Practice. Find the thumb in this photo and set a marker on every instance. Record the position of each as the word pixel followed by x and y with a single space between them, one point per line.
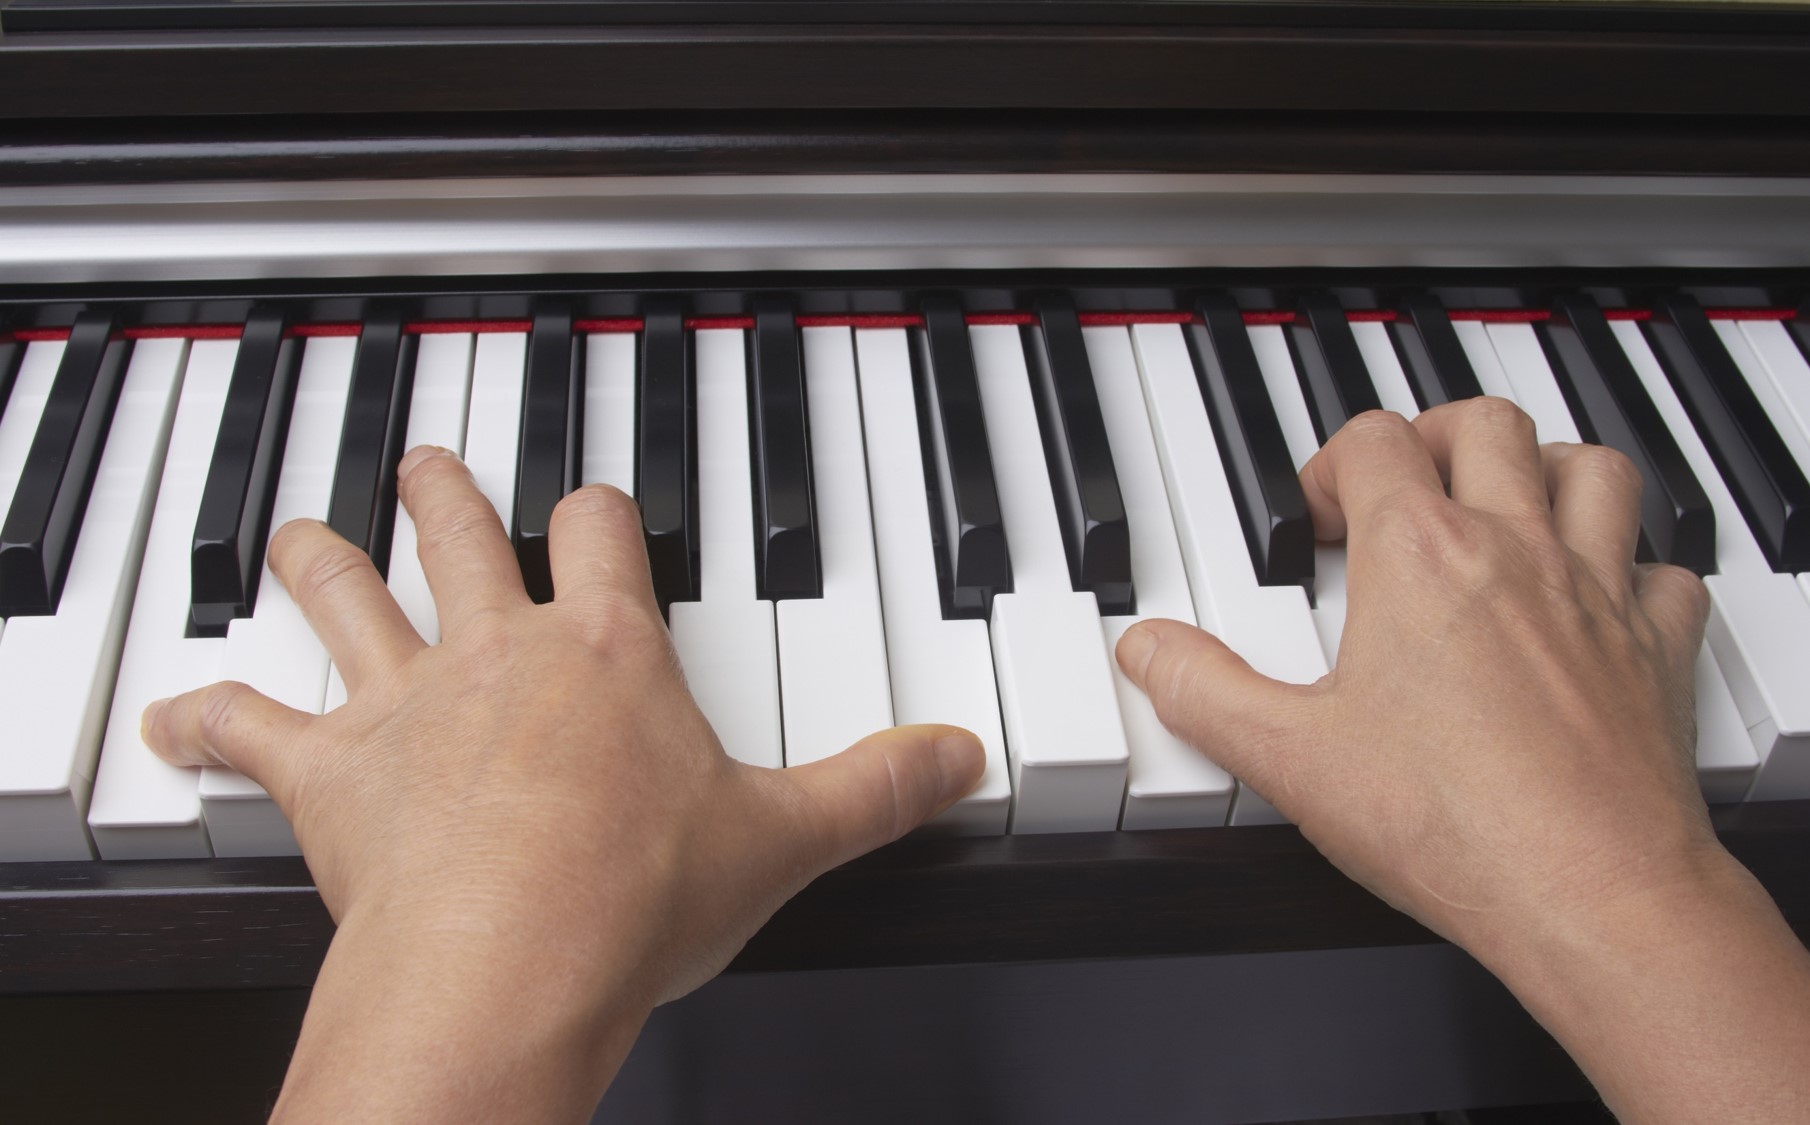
pixel 884 786
pixel 1209 696
pixel 227 724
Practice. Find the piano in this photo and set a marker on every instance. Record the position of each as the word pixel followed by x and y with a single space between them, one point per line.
pixel 939 342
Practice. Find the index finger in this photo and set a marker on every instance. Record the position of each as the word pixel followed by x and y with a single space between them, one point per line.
pixel 465 553
pixel 1376 461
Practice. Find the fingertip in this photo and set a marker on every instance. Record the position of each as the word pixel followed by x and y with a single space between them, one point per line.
pixel 1135 650
pixel 960 760
pixel 414 457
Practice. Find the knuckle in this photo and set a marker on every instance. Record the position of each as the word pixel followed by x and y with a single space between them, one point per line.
pixel 1496 414
pixel 1378 426
pixel 319 572
pixel 218 708
pixel 1611 466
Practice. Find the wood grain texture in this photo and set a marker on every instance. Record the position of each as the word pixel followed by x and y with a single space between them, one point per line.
pixel 231 924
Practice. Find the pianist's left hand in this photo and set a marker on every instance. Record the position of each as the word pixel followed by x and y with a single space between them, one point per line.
pixel 528 833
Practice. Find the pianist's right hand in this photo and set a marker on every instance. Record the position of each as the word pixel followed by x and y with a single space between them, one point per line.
pixel 528 834
pixel 1506 750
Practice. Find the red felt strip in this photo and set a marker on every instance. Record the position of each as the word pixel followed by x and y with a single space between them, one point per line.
pixel 1268 316
pixel 608 324
pixel 862 320
pixel 40 335
pixel 1627 314
pixel 706 323
pixel 980 320
pixel 1502 316
pixel 1751 314
pixel 1120 319
pixel 445 327
pixel 310 331
pixel 1370 316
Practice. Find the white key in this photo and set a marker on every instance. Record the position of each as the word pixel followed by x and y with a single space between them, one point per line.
pixel 1775 369
pixel 56 673
pixel 941 670
pixel 1759 626
pixel 1473 336
pixel 725 639
pixel 436 417
pixel 274 650
pixel 1725 755
pixel 1386 373
pixel 832 650
pixel 19 423
pixel 1170 785
pixel 1056 691
pixel 494 428
pixel 144 808
pixel 1284 386
pixel 1535 388
pixel 609 410
pixel 1270 626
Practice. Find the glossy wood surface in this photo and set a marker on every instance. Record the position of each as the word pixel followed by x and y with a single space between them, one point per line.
pixel 208 924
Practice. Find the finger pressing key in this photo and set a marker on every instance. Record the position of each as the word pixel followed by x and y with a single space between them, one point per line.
pixel 597 550
pixel 1595 507
pixel 1485 447
pixel 229 724
pixel 465 553
pixel 344 599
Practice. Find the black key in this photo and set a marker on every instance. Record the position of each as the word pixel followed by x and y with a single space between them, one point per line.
pixel 46 515
pixel 552 417
pixel 1088 503
pixel 1677 524
pixel 234 522
pixel 666 453
pixel 786 558
pixel 1329 365
pixel 972 562
pixel 12 354
pixel 1277 528
pixel 363 506
pixel 1754 462
pixel 1434 360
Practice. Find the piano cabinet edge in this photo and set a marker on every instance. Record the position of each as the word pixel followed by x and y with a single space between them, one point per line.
pixel 153 926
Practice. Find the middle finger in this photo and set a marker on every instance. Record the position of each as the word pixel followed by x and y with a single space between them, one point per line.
pixel 465 553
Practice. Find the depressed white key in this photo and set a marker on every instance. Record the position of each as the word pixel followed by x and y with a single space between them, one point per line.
pixel 142 807
pixel 1170 784
pixel 1759 624
pixel 1270 626
pixel 274 651
pixel 1056 691
pixel 609 410
pixel 1773 366
pixel 725 639
pixel 834 688
pixel 1535 388
pixel 1386 373
pixel 494 426
pixel 19 423
pixel 56 672
pixel 941 671
pixel 1473 336
pixel 1284 386
pixel 436 417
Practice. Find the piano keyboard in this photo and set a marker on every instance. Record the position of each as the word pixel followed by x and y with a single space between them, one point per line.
pixel 936 514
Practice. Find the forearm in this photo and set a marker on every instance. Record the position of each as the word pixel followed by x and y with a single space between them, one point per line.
pixel 1686 1003
pixel 412 1026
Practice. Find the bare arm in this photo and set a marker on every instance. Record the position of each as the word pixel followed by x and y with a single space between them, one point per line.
pixel 527 833
pixel 1505 752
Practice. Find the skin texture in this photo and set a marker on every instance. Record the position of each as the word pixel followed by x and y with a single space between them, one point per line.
pixel 530 836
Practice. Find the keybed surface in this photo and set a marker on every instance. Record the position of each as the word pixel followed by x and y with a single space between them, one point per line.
pixel 946 511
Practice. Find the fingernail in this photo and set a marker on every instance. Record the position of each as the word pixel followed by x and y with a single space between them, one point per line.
pixel 959 760
pixel 152 710
pixel 417 455
pixel 1135 649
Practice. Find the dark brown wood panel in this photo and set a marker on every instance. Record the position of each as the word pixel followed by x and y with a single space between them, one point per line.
pixel 230 924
